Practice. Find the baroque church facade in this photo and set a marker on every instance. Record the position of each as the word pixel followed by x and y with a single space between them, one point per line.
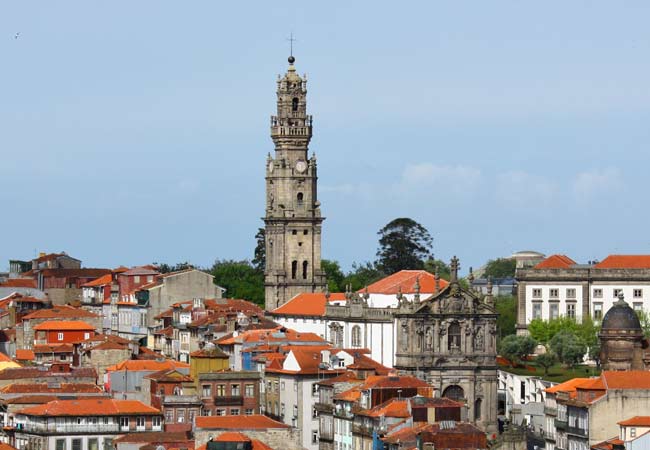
pixel 449 339
pixel 293 220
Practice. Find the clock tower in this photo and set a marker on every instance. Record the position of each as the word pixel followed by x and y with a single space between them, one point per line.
pixel 293 218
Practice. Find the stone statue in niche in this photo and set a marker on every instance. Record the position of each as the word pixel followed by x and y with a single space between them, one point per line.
pixel 404 338
pixel 428 339
pixel 479 340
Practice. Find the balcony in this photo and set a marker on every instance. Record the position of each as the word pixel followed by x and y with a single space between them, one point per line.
pixel 560 424
pixel 550 411
pixel 576 431
pixel 233 400
pixel 70 428
pixel 343 413
pixel 324 407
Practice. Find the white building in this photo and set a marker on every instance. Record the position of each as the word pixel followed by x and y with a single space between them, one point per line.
pixel 558 286
pixel 522 397
pixel 360 320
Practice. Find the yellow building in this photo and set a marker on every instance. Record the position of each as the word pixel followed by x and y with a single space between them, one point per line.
pixel 206 361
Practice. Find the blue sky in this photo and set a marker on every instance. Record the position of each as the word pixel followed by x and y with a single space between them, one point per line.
pixel 134 132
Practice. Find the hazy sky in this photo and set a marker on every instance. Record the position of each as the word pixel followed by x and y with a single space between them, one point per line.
pixel 137 131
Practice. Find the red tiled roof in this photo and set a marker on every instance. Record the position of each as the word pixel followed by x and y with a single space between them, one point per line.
pixel 25 355
pixel 74 273
pixel 158 437
pixel 346 377
pixel 35 399
pixel 142 270
pixel 101 281
pixel 234 436
pixel 568 386
pixel 4 446
pixel 110 345
pixel 148 365
pixel 90 407
pixel 556 262
pixel 405 280
pixel 253 422
pixel 625 262
pixel 170 375
pixel 630 379
pixel 307 304
pixel 384 382
pixel 274 335
pixel 19 282
pixel 21 373
pixel 636 421
pixel 45 388
pixel 69 325
pixel 60 312
pixel 53 348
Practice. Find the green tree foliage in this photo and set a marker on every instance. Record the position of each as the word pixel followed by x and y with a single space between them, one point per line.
pixel 644 319
pixel 259 256
pixel 543 330
pixel 403 244
pixel 546 361
pixel 506 306
pixel 166 268
pixel 431 265
pixel 240 279
pixel 568 347
pixel 362 275
pixel 515 348
pixel 334 274
pixel 500 268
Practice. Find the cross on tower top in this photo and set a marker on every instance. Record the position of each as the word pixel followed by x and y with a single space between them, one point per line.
pixel 291 40
pixel 454 268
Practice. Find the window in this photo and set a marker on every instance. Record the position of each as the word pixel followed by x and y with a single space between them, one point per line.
pixel 59 336
pixel 571 293
pixel 537 311
pixel 300 197
pixel 180 415
pixel 60 444
pixel 537 293
pixel 235 390
pixel 314 413
pixel 93 444
pixel 598 293
pixel 477 409
pixel 314 436
pixel 294 104
pixel 305 265
pixel 136 279
pixel 149 278
pixel 453 336
pixel 282 386
pixel 221 412
pixel 356 336
pixel 156 422
pixel 282 410
pixel 220 390
pixel 169 415
pixel 554 293
pixel 638 293
pixel 86 336
pixel 571 310
pixel 598 311
pixel 124 423
pixel 632 432
pixel 249 411
pixel 139 422
pixel 314 389
pixel 234 411
pixel 249 390
pixel 554 311
pixel 637 306
pixel 108 443
pixel 76 444
pixel 617 292
pixel 305 232
pixel 207 390
pixel 294 269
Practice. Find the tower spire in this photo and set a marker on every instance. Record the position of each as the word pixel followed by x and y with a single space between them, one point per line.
pixel 291 40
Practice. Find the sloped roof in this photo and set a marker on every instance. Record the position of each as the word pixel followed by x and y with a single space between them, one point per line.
pixel 405 280
pixel 556 262
pixel 625 262
pixel 235 436
pixel 74 273
pixel 53 348
pixel 60 312
pixel 25 355
pixel 101 281
pixel 158 437
pixel 19 282
pixel 629 379
pixel 636 421
pixel 307 304
pixel 90 407
pixel 21 373
pixel 568 386
pixel 273 335
pixel 252 422
pixel 66 325
pixel 142 270
pixel 46 388
pixel 147 365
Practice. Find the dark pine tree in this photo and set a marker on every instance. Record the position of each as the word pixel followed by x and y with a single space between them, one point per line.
pixel 403 244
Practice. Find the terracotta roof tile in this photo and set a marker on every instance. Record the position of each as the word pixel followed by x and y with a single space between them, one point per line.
pixel 631 379
pixel 21 373
pixel 404 280
pixel 158 437
pixel 307 304
pixel 234 436
pixel 74 273
pixel 68 325
pixel 60 312
pixel 253 422
pixel 45 388
pixel 101 281
pixel 53 348
pixel 556 262
pixel 147 365
pixel 636 421
pixel 19 282
pixel 90 407
pixel 568 386
pixel 625 262
pixel 25 355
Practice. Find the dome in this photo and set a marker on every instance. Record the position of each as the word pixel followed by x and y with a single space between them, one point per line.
pixel 621 317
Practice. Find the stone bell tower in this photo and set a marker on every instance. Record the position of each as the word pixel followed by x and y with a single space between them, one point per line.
pixel 293 218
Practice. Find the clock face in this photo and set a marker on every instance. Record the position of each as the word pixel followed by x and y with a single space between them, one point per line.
pixel 301 166
pixel 271 166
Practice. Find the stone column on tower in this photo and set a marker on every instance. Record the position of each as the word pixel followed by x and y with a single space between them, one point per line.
pixel 293 218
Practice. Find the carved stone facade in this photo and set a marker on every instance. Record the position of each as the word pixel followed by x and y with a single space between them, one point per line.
pixel 293 218
pixel 449 339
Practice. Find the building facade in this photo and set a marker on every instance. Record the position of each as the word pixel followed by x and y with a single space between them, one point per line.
pixel 293 217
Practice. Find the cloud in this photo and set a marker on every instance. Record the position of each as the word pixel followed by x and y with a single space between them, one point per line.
pixel 597 182
pixel 457 180
pixel 523 188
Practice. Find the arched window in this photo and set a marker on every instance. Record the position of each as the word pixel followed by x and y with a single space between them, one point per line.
pixel 294 269
pixel 300 198
pixel 454 392
pixel 294 104
pixel 356 336
pixel 477 409
pixel 178 390
pixel 453 337
pixel 305 265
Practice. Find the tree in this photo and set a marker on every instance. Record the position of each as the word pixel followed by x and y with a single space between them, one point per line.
pixel 166 268
pixel 568 347
pixel 544 330
pixel 515 348
pixel 546 361
pixel 362 275
pixel 500 268
pixel 259 256
pixel 438 266
pixel 240 279
pixel 507 309
pixel 403 244
pixel 333 274
pixel 644 319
